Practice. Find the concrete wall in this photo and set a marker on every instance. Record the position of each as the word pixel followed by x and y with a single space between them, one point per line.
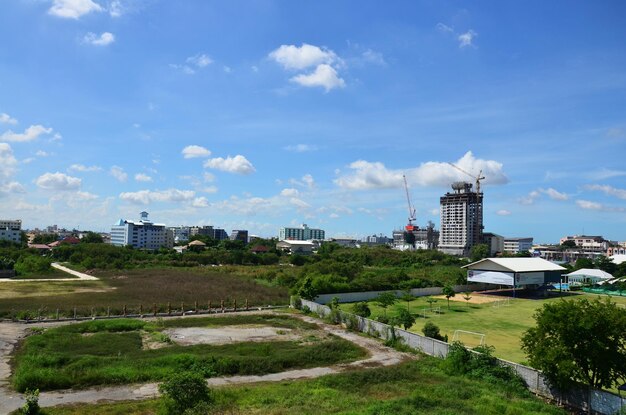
pixel 416 292
pixel 600 402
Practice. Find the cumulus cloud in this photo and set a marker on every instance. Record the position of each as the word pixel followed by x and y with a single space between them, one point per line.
pixel 73 9
pixel 299 203
pixel 306 181
pixel 608 190
pixel 30 134
pixel 208 177
pixel 7 119
pixel 41 153
pixel 8 162
pixel 119 173
pixel 57 181
pixel 194 151
pixel 104 39
pixel 116 9
pixel 305 56
pixel 589 205
pixel 193 63
pixel 503 212
pixel 200 202
pixel 324 76
pixel 11 187
pixel 85 196
pixel 536 194
pixel 144 197
pixel 290 192
pixel 238 164
pixel 530 198
pixel 300 148
pixel 83 168
pixel 375 175
pixel 466 39
pixel 140 177
pixel 554 194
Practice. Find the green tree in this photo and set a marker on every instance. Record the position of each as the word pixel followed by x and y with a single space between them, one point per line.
pixel 605 264
pixel 568 244
pixel 306 290
pixel 579 341
pixel 448 291
pixel 430 300
pixel 184 391
pixel 408 297
pixel 431 330
pixel 403 318
pixel 385 300
pixel 334 303
pixel 32 264
pixel 45 238
pixel 92 238
pixel 479 251
pixel 361 309
pixel 583 263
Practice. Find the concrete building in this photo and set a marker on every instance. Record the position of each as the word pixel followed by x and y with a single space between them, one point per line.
pixel 517 245
pixel 461 214
pixel 180 234
pixel 514 272
pixel 11 230
pixel 142 234
pixel 239 235
pixel 376 240
pixel 296 247
pixel 303 233
pixel 588 243
pixel 495 243
pixel 425 238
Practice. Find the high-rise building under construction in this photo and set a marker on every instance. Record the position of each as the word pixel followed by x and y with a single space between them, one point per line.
pixel 461 215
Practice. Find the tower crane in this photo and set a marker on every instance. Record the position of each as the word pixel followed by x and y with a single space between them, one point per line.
pixel 477 178
pixel 409 227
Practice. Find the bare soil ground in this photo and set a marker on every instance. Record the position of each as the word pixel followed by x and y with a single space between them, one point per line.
pixel 476 298
pixel 187 336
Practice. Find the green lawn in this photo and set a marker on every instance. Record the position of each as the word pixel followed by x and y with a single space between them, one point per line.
pixel 111 352
pixel 502 326
pixel 419 387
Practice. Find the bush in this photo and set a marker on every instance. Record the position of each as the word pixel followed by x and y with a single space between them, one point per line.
pixel 352 323
pixel 184 391
pixel 31 406
pixel 361 309
pixel 431 330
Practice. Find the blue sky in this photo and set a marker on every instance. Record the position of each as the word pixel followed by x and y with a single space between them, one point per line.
pixel 261 114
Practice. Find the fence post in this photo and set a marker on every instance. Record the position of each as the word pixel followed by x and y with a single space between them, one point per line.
pixel 195 307
pixel 182 308
pixel 246 304
pixel 209 306
pixel 154 309
pixel 141 310
pixel 74 313
pixel 169 308
pixel 235 304
pixel 222 305
pixel 108 311
pixel 57 313
pixel 124 310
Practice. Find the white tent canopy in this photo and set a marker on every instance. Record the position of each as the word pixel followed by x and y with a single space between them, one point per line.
pixel 618 259
pixel 588 275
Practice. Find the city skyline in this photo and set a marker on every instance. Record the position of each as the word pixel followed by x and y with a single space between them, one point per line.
pixel 260 115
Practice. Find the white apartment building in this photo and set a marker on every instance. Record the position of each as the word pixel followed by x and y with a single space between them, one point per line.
pixel 517 245
pixel 142 234
pixel 303 233
pixel 588 243
pixel 11 230
pixel 461 214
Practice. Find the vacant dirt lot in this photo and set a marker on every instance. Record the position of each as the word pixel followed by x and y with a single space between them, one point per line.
pixel 187 336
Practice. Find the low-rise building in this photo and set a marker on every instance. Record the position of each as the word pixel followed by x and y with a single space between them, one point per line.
pixel 303 233
pixel 495 243
pixel 11 230
pixel 588 243
pixel 296 247
pixel 376 240
pixel 517 245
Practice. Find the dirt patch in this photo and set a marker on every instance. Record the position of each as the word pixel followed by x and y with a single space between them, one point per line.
pixel 153 341
pixel 476 299
pixel 232 334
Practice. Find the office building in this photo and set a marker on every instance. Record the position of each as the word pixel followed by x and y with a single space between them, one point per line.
pixel 495 243
pixel 142 234
pixel 517 245
pixel 239 235
pixel 461 214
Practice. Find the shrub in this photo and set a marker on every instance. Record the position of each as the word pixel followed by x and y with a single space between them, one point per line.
pixel 296 302
pixel 306 310
pixel 431 330
pixel 335 316
pixel 184 391
pixel 352 323
pixel 361 309
pixel 31 406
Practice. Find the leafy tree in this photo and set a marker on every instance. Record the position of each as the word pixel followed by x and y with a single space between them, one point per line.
pixel 430 300
pixel 568 244
pixel 479 251
pixel 184 391
pixel 361 309
pixel 6 263
pixel 92 238
pixel 31 404
pixel 298 260
pixel 306 290
pixel 448 291
pixel 605 264
pixel 583 263
pixel 32 264
pixel 403 318
pixel 385 300
pixel 45 238
pixel 334 303
pixel 579 341
pixel 408 297
pixel 409 238
pixel 431 330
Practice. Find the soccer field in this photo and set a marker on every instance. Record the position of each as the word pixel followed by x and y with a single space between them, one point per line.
pixel 502 322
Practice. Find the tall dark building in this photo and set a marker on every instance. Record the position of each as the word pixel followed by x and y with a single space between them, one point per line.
pixel 461 214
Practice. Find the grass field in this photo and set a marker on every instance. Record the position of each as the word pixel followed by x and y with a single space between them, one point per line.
pixel 411 388
pixel 503 326
pixel 105 352
pixel 137 287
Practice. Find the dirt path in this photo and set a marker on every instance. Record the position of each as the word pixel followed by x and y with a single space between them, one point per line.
pixel 10 333
pixel 81 276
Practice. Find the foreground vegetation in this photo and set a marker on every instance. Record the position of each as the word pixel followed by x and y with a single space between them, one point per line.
pixel 419 387
pixel 106 352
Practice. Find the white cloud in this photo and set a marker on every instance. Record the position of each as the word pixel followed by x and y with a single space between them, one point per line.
pixel 290 192
pixel 616 132
pixel 83 168
pixel 30 134
pixel 7 119
pixel 503 212
pixel 116 9
pixel 200 202
pixel 73 9
pixel 210 189
pixel 299 203
pixel 333 216
pixel 554 194
pixel 300 148
pixel 373 57
pixel 308 181
pixel 374 175
pixel 324 76
pixel 118 173
pixel 586 204
pixel 145 197
pixel 140 177
pixel 238 164
pixel 85 196
pixel 41 153
pixel 57 181
pixel 227 69
pixel 195 151
pixel 200 60
pixel 604 173
pixel 11 187
pixel 536 194
pixel 208 177
pixel 444 28
pixel 467 38
pixel 8 162
pixel 105 38
pixel 531 198
pixel 305 56
pixel 609 190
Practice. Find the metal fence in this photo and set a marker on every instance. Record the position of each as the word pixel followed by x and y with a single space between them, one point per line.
pixel 594 401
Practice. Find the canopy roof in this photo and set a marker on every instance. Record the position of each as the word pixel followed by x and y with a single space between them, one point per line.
pixel 618 259
pixel 516 264
pixel 594 274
